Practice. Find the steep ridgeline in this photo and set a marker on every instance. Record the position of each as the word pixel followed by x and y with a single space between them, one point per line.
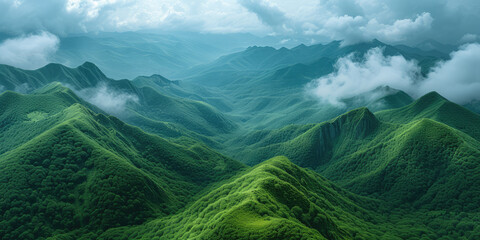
pixel 84 175
pixel 435 107
pixel 426 154
pixel 268 58
pixel 84 76
pixel 278 200
pixel 144 106
pixel 267 88
pixel 65 169
pixel 131 54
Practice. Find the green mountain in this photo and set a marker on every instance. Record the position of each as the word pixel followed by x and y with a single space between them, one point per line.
pixel 131 54
pixel 408 155
pixel 383 166
pixel 436 107
pixel 275 200
pixel 71 169
pixel 268 58
pixel 75 173
pixel 144 106
pixel 259 88
pixel 86 75
pixel 266 88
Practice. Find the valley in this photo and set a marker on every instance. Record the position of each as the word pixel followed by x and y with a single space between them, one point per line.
pixel 234 149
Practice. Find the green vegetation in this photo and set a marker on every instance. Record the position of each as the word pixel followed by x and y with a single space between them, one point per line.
pixel 84 175
pixel 276 200
pixel 68 170
pixel 166 115
pixel 414 160
pixel 75 170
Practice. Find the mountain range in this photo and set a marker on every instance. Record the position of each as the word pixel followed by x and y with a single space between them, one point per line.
pixel 234 149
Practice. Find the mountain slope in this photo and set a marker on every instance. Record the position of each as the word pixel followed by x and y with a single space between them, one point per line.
pixel 436 107
pixel 91 176
pixel 268 58
pixel 421 162
pixel 142 106
pixel 267 88
pixel 130 54
pixel 275 200
pixel 88 172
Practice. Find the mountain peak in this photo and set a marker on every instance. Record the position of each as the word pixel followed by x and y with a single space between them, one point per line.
pixel 360 121
pixel 301 46
pixel 90 66
pixel 432 96
pixel 357 114
pixel 436 107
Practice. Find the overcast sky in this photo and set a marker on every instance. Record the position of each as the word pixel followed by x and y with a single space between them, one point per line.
pixel 391 21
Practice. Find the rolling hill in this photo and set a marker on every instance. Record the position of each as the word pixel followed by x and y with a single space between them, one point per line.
pixel 75 170
pixel 143 106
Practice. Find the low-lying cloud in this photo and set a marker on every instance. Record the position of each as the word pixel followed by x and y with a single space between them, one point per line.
pixel 458 78
pixel 353 77
pixel 23 88
pixel 30 51
pixel 108 99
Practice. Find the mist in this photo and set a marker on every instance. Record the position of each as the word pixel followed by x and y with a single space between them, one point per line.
pixel 106 98
pixel 353 77
pixel 29 51
pixel 457 79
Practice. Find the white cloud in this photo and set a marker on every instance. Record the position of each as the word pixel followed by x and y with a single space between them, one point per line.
pixel 106 98
pixel 322 20
pixel 358 29
pixel 400 29
pixel 352 78
pixel 30 51
pixel 457 79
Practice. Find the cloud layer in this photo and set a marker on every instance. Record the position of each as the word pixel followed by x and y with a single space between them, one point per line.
pixel 30 51
pixel 458 79
pixel 352 77
pixel 319 20
pixel 107 98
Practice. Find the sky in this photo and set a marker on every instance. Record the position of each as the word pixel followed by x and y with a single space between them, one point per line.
pixel 391 21
pixel 32 31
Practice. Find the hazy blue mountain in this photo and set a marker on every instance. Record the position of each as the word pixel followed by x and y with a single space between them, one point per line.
pixel 131 54
pixel 167 115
